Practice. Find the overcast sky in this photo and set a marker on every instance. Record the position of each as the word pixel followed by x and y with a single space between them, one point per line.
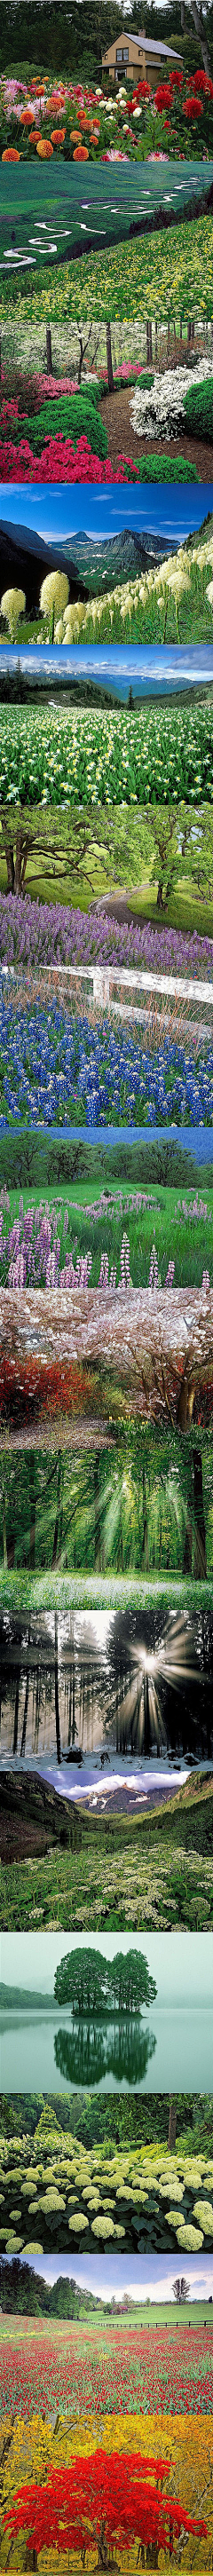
pixel 142 2276
pixel 181 1965
pixel 58 512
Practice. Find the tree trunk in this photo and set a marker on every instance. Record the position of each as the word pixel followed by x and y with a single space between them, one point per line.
pixel 185 1404
pixel 10 868
pixel 96 1488
pixel 24 1728
pixel 197 16
pixel 172 2123
pixel 16 1714
pixel 49 350
pixel 109 359
pixel 200 1565
pixel 58 1503
pixel 160 901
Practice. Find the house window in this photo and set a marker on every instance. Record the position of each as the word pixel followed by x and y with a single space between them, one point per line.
pixel 122 53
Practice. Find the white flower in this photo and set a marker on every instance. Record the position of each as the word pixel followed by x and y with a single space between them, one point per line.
pixel 160 407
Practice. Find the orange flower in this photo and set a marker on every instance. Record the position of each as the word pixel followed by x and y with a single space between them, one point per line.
pixel 45 151
pixel 57 100
pixel 26 116
pixel 75 136
pixel 58 134
pixel 34 136
pixel 11 156
pixel 81 153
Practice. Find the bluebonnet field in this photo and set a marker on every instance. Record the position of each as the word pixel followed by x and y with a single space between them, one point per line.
pixel 58 1067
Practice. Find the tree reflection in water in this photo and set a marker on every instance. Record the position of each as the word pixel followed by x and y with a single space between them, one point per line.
pixel 87 2055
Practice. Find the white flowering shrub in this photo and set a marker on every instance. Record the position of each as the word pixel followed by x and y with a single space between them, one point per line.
pixel 160 407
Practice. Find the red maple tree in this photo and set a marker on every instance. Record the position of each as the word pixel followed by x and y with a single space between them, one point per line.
pixel 107 2497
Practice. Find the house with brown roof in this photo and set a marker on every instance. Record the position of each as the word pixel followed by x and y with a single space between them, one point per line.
pixel 138 58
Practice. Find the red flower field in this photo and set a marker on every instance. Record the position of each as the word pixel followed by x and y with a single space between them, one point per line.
pixel 120 2368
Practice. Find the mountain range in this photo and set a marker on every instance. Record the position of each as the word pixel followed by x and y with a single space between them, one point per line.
pixel 92 564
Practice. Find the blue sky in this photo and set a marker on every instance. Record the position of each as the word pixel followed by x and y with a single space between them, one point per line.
pixel 144 2276
pixel 150 669
pixel 59 512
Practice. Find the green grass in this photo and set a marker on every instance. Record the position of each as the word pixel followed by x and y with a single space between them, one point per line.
pixel 188 1242
pixel 141 2314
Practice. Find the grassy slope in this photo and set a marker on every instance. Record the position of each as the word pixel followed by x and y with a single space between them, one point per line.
pixel 139 2315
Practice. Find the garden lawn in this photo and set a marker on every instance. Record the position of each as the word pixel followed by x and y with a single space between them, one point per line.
pixel 148 757
pixel 155 2361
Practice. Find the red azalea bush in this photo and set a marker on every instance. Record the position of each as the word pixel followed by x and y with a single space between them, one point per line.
pixel 60 462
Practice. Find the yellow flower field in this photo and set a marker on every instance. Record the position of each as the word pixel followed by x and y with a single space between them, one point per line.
pixel 172 271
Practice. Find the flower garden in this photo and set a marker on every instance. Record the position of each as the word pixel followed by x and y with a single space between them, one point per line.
pixel 56 2193
pixel 80 122
pixel 64 439
pixel 93 2486
pixel 107 759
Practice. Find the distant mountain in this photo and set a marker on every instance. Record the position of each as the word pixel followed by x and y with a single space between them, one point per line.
pixel 124 1800
pixel 103 561
pixel 92 564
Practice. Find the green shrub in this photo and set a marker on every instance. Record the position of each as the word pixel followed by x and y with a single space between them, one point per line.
pixel 198 408
pixel 166 469
pixel 69 416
